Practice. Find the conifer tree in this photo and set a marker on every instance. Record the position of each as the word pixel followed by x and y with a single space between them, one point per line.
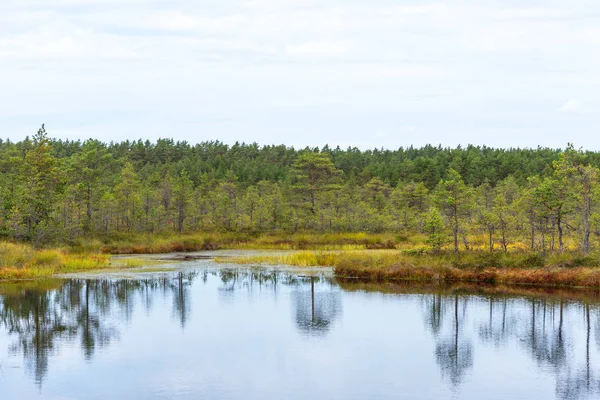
pixel 456 201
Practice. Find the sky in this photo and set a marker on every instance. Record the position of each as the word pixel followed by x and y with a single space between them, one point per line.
pixel 380 73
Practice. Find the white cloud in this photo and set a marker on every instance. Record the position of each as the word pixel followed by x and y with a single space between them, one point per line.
pixel 55 46
pixel 589 35
pixel 317 49
pixel 456 67
pixel 572 106
pixel 178 21
pixel 529 13
pixel 424 9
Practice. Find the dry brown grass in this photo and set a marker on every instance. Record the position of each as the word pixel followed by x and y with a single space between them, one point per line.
pixel 569 269
pixel 520 269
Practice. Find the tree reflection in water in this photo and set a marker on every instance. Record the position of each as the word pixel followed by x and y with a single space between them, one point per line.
pixel 41 318
pixel 538 325
pixel 315 310
pixel 581 381
pixel 181 304
pixel 453 351
pixel 561 337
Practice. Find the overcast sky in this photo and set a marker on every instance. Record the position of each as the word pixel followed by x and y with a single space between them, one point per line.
pixel 380 73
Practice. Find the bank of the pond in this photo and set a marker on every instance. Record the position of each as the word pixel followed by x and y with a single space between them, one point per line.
pixel 565 269
pixel 22 261
pixel 159 243
pixel 168 243
pixel 553 293
pixel 371 257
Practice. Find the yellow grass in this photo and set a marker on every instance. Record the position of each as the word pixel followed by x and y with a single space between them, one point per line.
pixel 299 259
pixel 167 243
pixel 20 261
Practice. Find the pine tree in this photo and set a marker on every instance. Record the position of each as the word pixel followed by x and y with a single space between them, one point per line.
pixel 313 172
pixel 127 195
pixel 41 176
pixel 456 201
pixel 182 194
pixel 434 228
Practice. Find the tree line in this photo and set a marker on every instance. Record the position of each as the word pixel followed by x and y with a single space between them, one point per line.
pixel 58 191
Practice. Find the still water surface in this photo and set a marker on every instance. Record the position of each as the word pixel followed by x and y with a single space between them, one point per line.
pixel 206 331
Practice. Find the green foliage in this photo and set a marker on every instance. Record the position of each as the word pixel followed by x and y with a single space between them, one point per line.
pixel 544 200
pixel 41 178
pixel 532 260
pixel 434 227
pixel 455 199
pixel 313 172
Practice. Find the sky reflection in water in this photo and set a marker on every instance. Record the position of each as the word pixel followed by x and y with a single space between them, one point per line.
pixel 241 333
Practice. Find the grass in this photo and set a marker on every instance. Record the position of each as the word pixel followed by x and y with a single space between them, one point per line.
pixel 21 261
pixel 299 259
pixel 150 244
pixel 327 241
pixel 137 243
pixel 566 269
pixel 168 243
pixel 369 257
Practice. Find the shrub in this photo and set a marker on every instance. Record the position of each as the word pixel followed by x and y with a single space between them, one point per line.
pixel 532 261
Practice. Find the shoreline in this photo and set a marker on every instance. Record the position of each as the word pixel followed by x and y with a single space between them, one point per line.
pixel 380 266
pixel 385 257
pixel 477 289
pixel 538 278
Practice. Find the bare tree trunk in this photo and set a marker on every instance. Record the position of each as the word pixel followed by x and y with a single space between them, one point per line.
pixel 504 244
pixel 455 228
pixel 532 224
pixel 561 244
pixel 587 210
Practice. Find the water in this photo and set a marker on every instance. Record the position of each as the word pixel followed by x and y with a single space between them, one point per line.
pixel 199 330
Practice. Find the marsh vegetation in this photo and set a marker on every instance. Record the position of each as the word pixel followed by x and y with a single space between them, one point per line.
pixel 475 213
